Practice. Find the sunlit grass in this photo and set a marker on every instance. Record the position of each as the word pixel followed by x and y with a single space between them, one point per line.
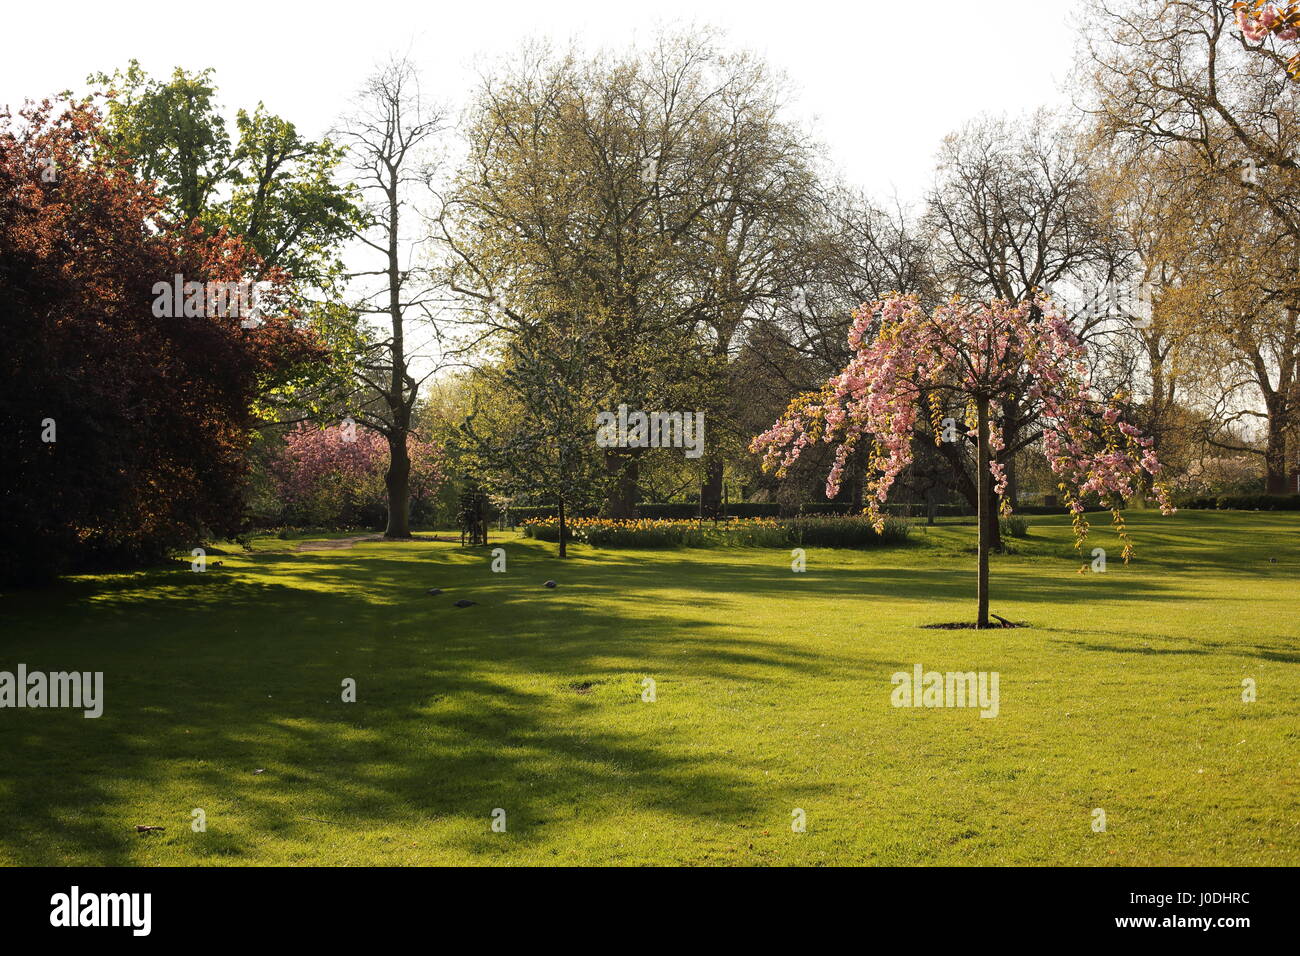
pixel 772 691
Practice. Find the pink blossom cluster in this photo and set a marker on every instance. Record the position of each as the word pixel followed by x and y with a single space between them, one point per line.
pixel 1257 23
pixel 315 460
pixel 963 351
pixel 313 455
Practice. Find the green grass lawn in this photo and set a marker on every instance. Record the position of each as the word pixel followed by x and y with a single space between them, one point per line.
pixel 773 693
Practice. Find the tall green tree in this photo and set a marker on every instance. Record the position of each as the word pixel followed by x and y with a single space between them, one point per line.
pixel 271 186
pixel 628 188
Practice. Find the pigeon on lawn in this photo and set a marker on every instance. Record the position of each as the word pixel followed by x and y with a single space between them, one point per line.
pixel 549 584
pixel 464 603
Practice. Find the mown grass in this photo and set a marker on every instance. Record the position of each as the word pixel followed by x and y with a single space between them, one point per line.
pixel 773 693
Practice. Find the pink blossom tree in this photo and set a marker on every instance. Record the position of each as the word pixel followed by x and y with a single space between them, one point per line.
pixel 330 473
pixel 974 357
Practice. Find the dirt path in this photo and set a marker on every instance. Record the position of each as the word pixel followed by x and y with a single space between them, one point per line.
pixel 337 544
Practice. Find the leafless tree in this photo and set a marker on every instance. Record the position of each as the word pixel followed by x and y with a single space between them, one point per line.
pixel 1012 211
pixel 390 137
pixel 1177 75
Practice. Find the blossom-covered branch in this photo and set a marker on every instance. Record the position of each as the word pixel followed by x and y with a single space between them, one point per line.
pixel 1258 19
pixel 971 353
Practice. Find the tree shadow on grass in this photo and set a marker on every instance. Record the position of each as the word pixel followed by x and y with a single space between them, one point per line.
pixel 212 676
pixel 209 678
pixel 1141 645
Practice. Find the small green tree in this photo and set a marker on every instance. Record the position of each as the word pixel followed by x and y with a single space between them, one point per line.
pixel 535 438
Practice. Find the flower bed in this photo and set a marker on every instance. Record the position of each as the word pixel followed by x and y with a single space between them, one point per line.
pixel 830 532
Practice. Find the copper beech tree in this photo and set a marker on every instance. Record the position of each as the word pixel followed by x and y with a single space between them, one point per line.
pixel 975 358
pixel 126 430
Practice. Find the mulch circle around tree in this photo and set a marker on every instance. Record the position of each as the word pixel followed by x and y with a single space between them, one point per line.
pixel 1001 625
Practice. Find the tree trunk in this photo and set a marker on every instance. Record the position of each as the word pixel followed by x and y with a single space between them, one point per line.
pixel 711 490
pixel 398 482
pixel 983 480
pixel 858 491
pixel 625 473
pixel 564 544
pixel 1161 399
pixel 1275 457
pixel 398 477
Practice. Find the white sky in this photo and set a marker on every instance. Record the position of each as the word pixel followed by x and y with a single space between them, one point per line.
pixel 883 86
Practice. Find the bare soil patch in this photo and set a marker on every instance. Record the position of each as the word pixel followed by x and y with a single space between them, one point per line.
pixel 336 544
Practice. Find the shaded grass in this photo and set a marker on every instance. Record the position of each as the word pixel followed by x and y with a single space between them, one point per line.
pixel 772 694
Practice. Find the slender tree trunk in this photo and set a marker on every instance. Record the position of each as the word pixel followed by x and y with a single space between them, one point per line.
pixel 397 480
pixel 564 542
pixel 711 490
pixel 1162 398
pixel 983 479
pixel 625 472
pixel 1275 456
